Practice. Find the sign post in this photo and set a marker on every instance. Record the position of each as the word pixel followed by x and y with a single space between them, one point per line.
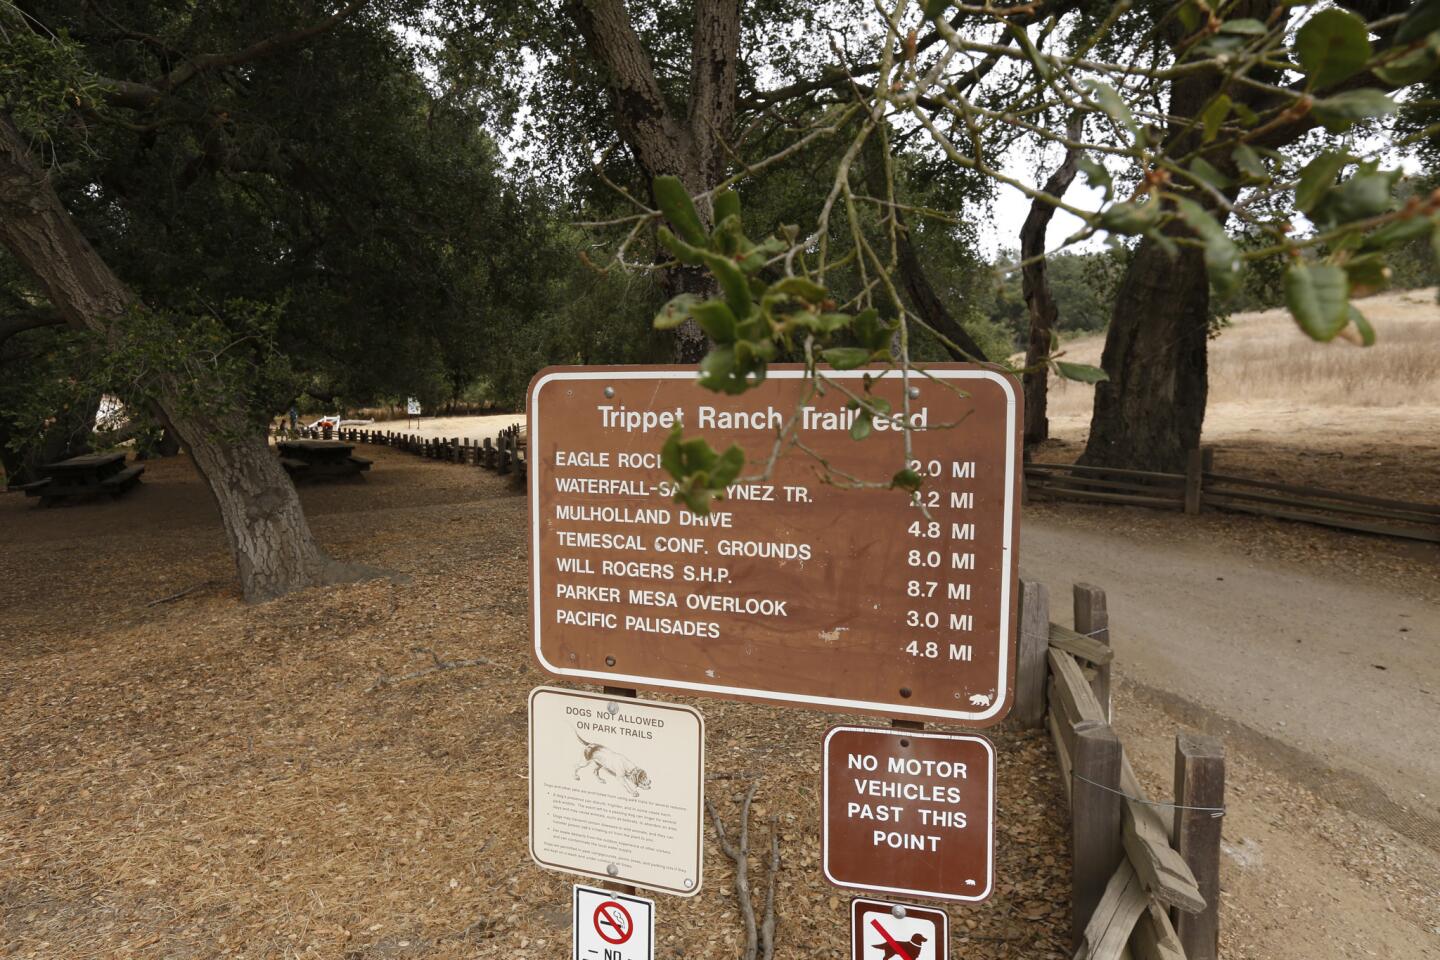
pixel 909 812
pixel 617 789
pixel 791 590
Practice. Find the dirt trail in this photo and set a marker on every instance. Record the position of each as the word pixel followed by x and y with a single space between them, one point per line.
pixel 1344 670
pixel 1326 691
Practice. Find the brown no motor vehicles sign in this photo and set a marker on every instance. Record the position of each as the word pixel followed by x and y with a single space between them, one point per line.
pixel 909 812
pixel 791 590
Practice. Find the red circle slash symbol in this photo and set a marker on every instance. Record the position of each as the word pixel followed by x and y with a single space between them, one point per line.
pixel 613 923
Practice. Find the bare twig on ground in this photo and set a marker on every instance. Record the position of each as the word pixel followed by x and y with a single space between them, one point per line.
pixel 183 593
pixel 767 924
pixel 437 666
pixel 759 941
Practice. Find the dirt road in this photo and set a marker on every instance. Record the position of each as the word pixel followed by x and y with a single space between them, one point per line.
pixel 1326 691
pixel 1344 670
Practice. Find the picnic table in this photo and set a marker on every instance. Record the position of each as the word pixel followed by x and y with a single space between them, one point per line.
pixel 320 459
pixel 84 476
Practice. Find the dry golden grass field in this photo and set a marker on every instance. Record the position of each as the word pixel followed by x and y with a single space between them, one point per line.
pixel 1335 414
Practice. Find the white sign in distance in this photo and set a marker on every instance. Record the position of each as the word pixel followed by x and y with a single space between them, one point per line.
pixel 412 407
pixel 613 926
pixel 617 788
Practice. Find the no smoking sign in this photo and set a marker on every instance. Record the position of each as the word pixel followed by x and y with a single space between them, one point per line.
pixel 613 926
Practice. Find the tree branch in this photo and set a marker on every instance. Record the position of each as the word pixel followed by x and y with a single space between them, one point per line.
pixel 131 95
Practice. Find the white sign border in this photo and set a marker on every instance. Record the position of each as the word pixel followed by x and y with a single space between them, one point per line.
pixel 859 706
pixel 989 888
pixel 856 901
pixel 530 791
pixel 612 895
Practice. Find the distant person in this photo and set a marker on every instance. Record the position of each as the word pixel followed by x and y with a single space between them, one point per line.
pixel 294 418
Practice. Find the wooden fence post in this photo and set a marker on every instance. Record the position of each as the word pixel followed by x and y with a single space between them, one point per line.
pixel 1199 782
pixel 1033 654
pixel 1094 820
pixel 1194 479
pixel 1093 619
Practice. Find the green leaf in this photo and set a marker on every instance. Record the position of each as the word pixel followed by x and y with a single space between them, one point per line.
pixel 1249 163
pixel 1246 116
pixel 677 311
pixel 727 204
pixel 1130 218
pixel 732 282
pixel 1366 194
pixel 1366 274
pixel 674 201
pixel 1340 112
pixel 1245 26
pixel 1096 173
pixel 691 256
pixel 1409 68
pixel 800 288
pixel 862 426
pixel 935 8
pixel 1317 177
pixel 1222 256
pixel 846 358
pixel 1332 45
pixel 1081 372
pixel 1423 19
pixel 1206 171
pixel 1362 326
pixel 727 467
pixel 1114 105
pixel 1318 296
pixel 1400 231
pixel 717 320
pixel 1189 16
pixel 871 331
pixel 906 479
pixel 1214 115
pixel 670 457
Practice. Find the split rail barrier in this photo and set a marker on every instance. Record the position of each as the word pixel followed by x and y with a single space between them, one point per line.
pixel 505 454
pixel 1141 887
pixel 1200 488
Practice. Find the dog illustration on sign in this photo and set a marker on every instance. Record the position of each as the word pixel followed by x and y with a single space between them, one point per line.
pixel 909 950
pixel 617 765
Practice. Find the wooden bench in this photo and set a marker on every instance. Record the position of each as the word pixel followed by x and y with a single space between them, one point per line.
pixel 116 484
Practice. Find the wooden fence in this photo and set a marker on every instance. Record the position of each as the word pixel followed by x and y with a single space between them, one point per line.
pixel 505 454
pixel 1200 488
pixel 1141 889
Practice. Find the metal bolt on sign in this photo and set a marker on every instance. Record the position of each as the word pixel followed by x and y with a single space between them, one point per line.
pixel 898 912
pixel 613 870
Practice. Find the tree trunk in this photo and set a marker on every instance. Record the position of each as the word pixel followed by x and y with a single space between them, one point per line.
pixel 691 148
pixel 1150 411
pixel 1035 283
pixel 271 541
pixel 922 296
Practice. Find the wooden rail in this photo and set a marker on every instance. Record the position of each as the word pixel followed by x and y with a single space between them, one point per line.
pixel 1200 488
pixel 505 454
pixel 1142 887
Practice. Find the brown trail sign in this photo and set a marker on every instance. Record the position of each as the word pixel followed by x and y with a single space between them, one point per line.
pixel 909 812
pixel 792 590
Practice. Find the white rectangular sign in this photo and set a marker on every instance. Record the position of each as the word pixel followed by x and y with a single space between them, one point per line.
pixel 613 926
pixel 617 788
